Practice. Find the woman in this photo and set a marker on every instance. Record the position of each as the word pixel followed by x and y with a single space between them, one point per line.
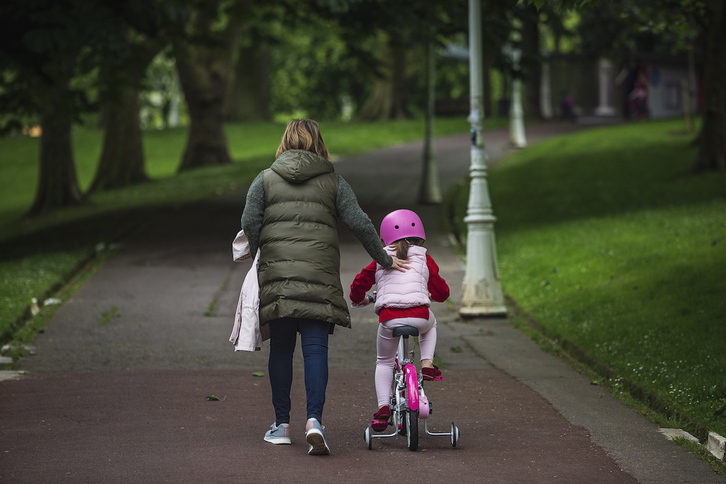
pixel 291 215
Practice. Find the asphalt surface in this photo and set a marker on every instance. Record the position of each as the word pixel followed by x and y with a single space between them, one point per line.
pixel 117 392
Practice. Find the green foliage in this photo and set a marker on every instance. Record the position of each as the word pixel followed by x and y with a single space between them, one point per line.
pixel 618 250
pixel 615 27
pixel 315 72
pixel 328 55
pixel 48 42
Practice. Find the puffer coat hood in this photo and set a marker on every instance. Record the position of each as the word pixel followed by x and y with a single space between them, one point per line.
pixel 298 166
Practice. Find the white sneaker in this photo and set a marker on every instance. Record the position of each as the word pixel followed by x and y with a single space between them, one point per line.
pixel 316 439
pixel 278 434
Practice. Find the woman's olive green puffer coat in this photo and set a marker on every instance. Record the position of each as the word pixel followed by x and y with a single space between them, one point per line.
pixel 299 270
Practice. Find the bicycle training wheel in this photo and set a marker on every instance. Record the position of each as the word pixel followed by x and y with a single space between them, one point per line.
pixel 368 436
pixel 411 426
pixel 455 435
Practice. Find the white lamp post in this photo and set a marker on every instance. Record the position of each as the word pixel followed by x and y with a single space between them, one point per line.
pixel 605 88
pixel 430 191
pixel 481 292
pixel 546 89
pixel 516 114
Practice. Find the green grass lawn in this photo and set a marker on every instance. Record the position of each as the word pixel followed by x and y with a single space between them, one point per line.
pixel 251 145
pixel 28 271
pixel 608 242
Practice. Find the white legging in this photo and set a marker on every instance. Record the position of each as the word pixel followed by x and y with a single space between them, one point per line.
pixel 387 345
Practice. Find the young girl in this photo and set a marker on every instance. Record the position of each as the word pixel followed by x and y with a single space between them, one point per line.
pixel 403 298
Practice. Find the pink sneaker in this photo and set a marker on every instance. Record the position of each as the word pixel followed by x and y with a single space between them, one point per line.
pixel 431 374
pixel 380 419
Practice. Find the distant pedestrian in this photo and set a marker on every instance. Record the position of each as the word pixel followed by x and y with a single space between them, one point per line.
pixel 291 215
pixel 567 104
pixel 402 299
pixel 634 81
pixel 638 101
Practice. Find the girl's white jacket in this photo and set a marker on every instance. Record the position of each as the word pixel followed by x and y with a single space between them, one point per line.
pixel 246 333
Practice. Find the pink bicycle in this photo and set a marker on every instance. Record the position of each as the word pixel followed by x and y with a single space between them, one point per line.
pixel 408 400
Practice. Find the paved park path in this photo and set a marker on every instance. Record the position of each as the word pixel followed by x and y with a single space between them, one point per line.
pixel 117 390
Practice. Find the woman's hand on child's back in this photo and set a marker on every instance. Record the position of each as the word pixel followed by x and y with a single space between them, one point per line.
pixel 400 264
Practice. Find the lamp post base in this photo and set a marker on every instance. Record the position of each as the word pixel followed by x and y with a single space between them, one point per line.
pixel 483 312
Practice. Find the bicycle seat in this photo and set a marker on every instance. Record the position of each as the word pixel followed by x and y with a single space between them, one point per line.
pixel 405 331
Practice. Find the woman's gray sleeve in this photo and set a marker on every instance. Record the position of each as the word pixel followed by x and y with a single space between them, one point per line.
pixel 254 213
pixel 350 213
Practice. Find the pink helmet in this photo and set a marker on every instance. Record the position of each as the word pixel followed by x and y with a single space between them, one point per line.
pixel 401 224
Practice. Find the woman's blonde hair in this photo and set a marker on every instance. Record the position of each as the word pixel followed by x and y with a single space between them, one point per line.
pixel 401 246
pixel 303 134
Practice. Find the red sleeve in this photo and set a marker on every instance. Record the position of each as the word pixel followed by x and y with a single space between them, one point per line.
pixel 437 285
pixel 362 283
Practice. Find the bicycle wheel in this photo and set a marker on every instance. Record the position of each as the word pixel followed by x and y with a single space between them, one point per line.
pixel 398 414
pixel 401 422
pixel 412 429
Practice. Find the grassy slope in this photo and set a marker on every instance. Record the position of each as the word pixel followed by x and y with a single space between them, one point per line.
pixel 609 243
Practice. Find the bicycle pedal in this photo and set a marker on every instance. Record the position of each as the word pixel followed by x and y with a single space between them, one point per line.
pixel 433 378
pixel 431 374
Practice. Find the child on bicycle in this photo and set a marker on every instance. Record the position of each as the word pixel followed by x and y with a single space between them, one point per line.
pixel 402 299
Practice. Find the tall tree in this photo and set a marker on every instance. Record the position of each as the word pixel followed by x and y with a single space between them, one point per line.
pixel 496 29
pixel 531 61
pixel 205 63
pixel 712 139
pixel 388 98
pixel 57 181
pixel 122 155
pixel 146 28
pixel 45 44
pixel 249 96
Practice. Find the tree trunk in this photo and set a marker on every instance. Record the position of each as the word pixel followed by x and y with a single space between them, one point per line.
pixel 205 73
pixel 206 141
pixel 388 98
pixel 57 180
pixel 122 160
pixel 400 84
pixel 122 156
pixel 249 97
pixel 712 139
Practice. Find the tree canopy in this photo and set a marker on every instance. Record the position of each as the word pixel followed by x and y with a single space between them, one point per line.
pixel 249 59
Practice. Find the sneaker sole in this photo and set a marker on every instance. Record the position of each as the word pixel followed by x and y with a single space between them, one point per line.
pixel 278 440
pixel 317 443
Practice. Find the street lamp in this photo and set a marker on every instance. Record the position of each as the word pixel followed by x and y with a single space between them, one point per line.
pixel 481 292
pixel 516 114
pixel 430 191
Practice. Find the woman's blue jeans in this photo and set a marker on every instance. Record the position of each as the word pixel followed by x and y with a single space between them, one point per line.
pixel 314 342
